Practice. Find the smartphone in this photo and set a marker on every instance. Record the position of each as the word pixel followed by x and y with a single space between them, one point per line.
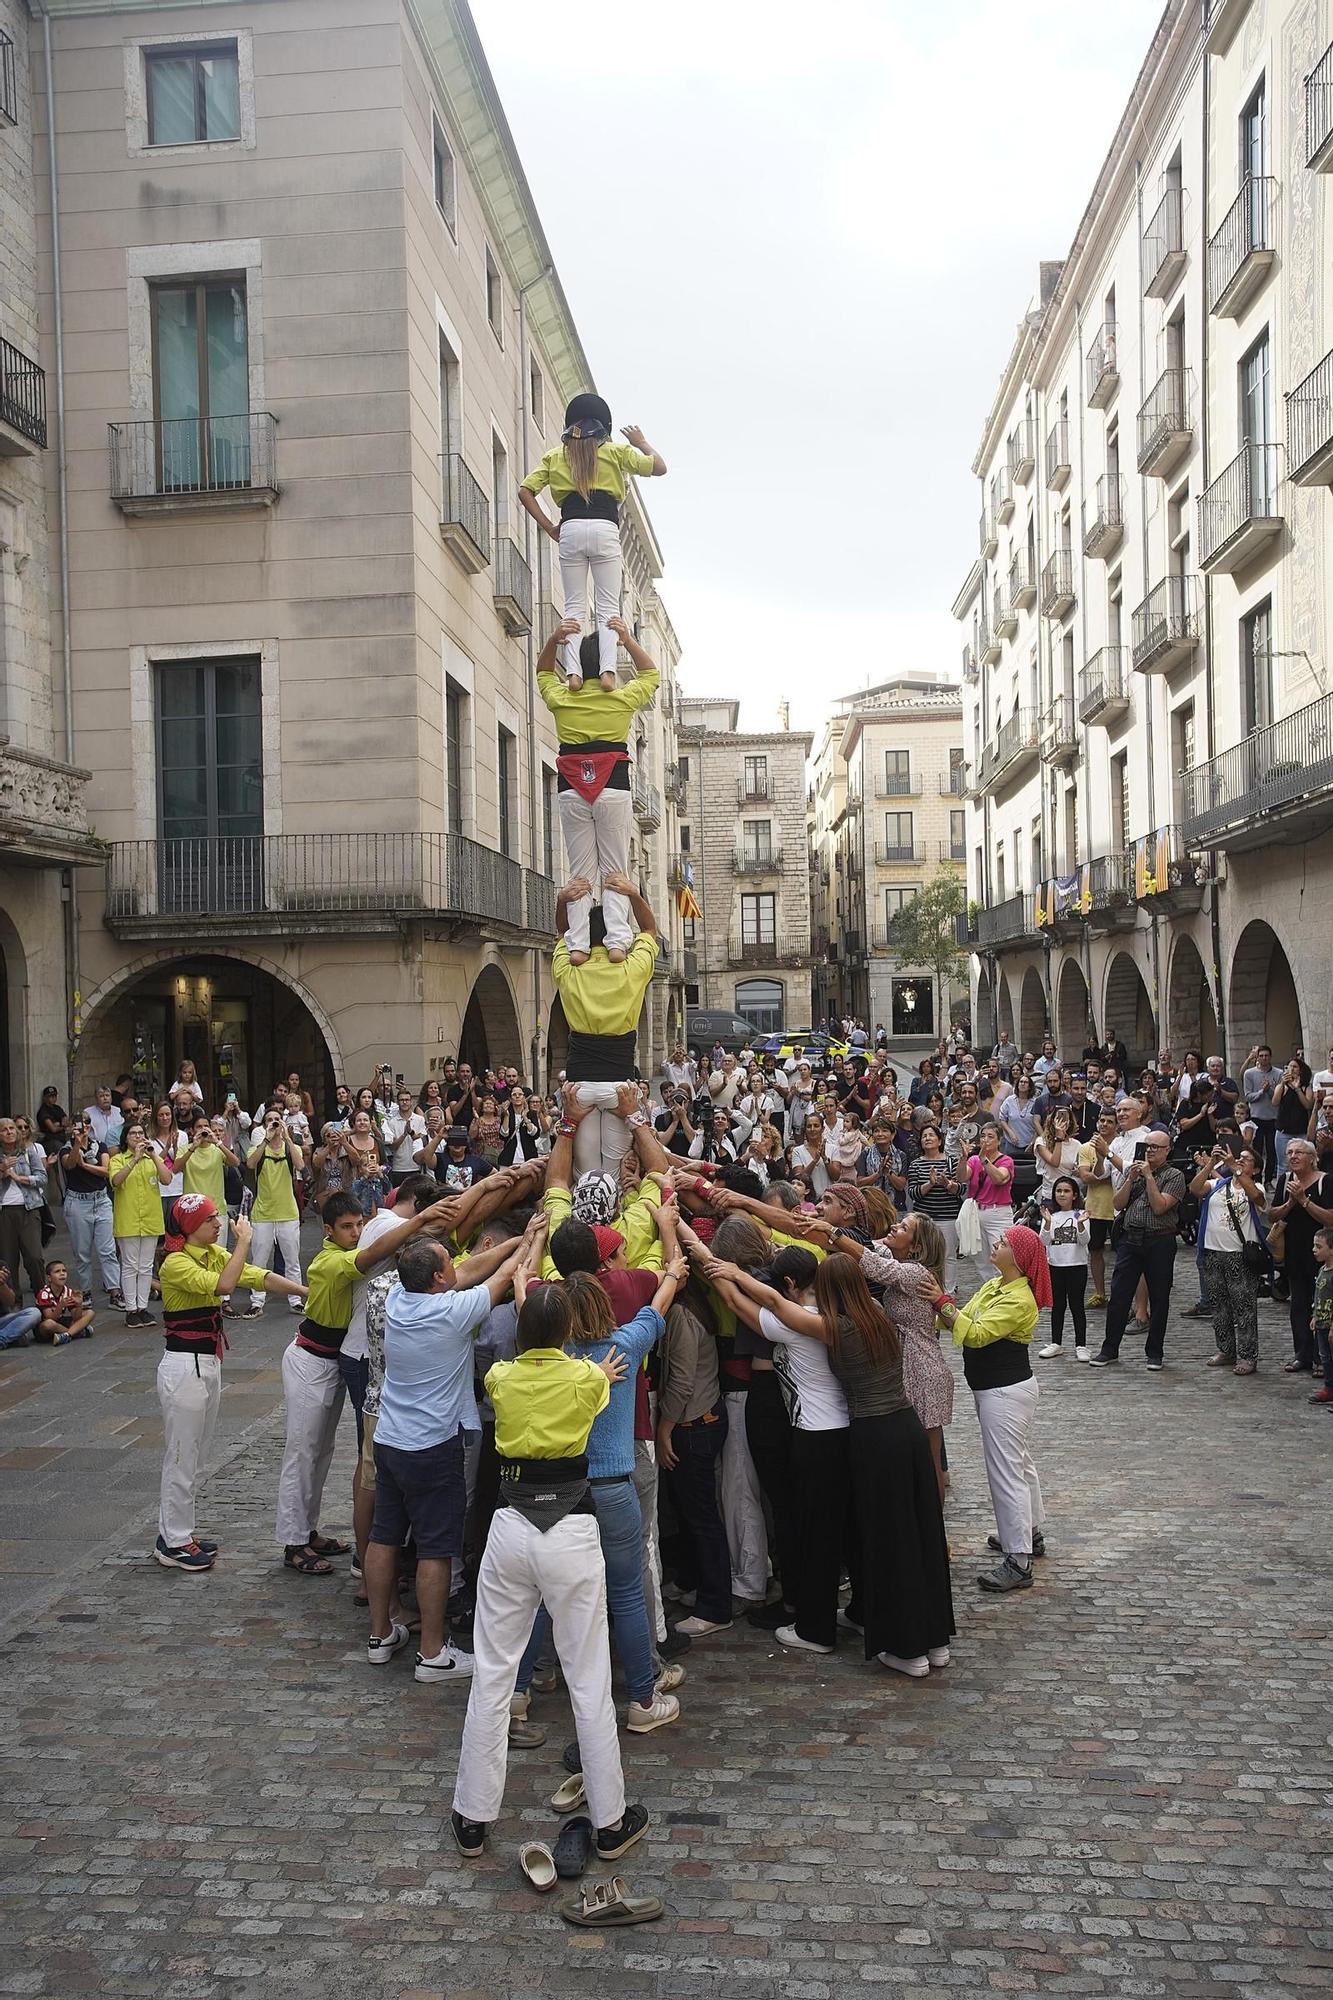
pixel 1141 1150
pixel 247 1203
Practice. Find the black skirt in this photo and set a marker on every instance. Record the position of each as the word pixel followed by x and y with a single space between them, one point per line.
pixel 906 1599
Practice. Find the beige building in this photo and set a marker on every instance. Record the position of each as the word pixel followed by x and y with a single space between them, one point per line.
pixel 312 337
pixel 743 848
pixel 43 810
pixel 1148 619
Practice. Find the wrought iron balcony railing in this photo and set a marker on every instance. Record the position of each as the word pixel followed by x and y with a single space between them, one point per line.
pixel 756 860
pixel 1009 922
pixel 1240 510
pixel 1015 746
pixel 465 513
pixel 1319 113
pixel 166 461
pixel 1165 625
pixel 952 782
pixel 1103 685
pixel 1241 251
pixel 1057 584
pixel 1103 368
pixel 1059 739
pixel 511 587
pixel 1286 769
pixel 1166 872
pixel 22 396
pixel 1310 427
pixel 897 784
pixel 752 789
pixel 989 542
pixel 1164 245
pixel 647 803
pixel 1165 423
pixel 1023 580
pixel 889 852
pixel 1021 452
pixel 1102 535
pixel 1003 488
pixel 1057 454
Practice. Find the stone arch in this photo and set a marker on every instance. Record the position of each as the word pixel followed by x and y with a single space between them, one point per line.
pixel 491 1037
pixel 1031 1012
pixel 1191 1019
pixel 1128 1009
pixel 557 1042
pixel 1264 1004
pixel 984 1035
pixel 1073 1012
pixel 1004 1007
pixel 16 1088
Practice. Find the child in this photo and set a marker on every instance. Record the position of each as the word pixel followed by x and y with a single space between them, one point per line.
pixel 543 1547
pixel 1064 1236
pixel 586 475
pixel 1321 1323
pixel 65 1316
pixel 592 781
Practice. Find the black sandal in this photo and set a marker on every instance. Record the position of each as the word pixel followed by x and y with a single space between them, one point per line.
pixel 325 1545
pixel 305 1562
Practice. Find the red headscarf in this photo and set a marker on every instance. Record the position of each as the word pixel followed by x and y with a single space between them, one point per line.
pixel 187 1212
pixel 1030 1257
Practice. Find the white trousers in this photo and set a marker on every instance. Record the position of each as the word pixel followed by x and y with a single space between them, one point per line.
pixel 314 1391
pixel 948 1229
pixel 136 1270
pixel 590 549
pixel 1005 1416
pixel 189 1397
pixel 521 1569
pixel 287 1236
pixel 742 1506
pixel 597 838
pixel 645 1485
pixel 994 1222
pixel 602 1139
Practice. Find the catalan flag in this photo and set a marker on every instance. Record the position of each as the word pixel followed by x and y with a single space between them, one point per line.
pixel 687 906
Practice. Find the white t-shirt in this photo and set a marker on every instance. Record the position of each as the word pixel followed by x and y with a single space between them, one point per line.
pixel 176 1185
pixel 1120 1152
pixel 810 1389
pixel 1219 1234
pixel 801 1158
pixel 1067 1164
pixel 379 1224
pixel 1065 1234
pixel 404 1136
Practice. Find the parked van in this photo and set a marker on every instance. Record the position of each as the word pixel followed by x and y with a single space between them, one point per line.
pixel 705 1026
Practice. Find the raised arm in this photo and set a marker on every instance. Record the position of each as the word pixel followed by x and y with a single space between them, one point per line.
pixel 573 891
pixel 644 663
pixel 640 443
pixel 644 919
pixel 568 628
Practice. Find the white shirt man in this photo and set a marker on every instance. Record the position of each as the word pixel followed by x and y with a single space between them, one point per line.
pixel 404 1131
pixel 1132 1133
pixel 1323 1078
pixel 680 1071
pixel 726 1084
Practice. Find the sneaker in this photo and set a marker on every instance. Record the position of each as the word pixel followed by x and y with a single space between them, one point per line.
pixel 915 1670
pixel 1052 1349
pixel 525 1735
pixel 1155 1366
pixel 1098 1299
pixel 1104 1360
pixel 702 1628
pixel 545 1680
pixel 519 1704
pixel 670 1678
pixel 770 1616
pixel 1197 1311
pixel 1322 1396
pixel 938 1656
pixel 1008 1575
pixel 645 1716
pixel 469 1835
pixel 670 1648
pixel 251 1312
pixel 61 1339
pixel 188 1556
pixel 613 1841
pixel 787 1635
pixel 447 1665
pixel 1038 1544
pixel 379 1652
pixel 1082 1354
pixel 116 1298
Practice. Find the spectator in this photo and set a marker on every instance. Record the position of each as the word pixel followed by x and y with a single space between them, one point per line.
pixel 104 1117
pixel 88 1212
pixel 1147 1198
pixel 1231 1197
pixel 1293 1102
pixel 22 1193
pixel 1259 1083
pixel 1302 1202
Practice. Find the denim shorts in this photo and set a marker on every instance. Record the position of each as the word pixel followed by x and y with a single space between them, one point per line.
pixel 424 1494
pixel 355 1371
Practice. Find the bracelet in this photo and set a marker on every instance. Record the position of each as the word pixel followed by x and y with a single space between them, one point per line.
pixel 701 1186
pixel 565 1129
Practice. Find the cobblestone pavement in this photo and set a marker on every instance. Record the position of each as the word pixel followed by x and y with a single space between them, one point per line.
pixel 1122 1786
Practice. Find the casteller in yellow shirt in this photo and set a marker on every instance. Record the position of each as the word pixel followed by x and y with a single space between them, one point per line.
pixel 599 997
pixel 545 1402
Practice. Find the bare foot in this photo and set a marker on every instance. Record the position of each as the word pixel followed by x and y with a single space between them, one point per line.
pixel 609 682
pixel 615 954
pixel 579 957
pixel 573 682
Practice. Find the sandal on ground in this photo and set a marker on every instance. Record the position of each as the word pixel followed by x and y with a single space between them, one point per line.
pixel 1295 1367
pixel 361 1599
pixel 325 1545
pixel 607 1905
pixel 569 1796
pixel 573 1848
pixel 538 1864
pixel 305 1562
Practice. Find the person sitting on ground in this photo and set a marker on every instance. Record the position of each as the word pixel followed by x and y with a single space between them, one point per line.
pixel 65 1313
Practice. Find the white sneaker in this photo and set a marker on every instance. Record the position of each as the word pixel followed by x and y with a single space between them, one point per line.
pixel 654 1714
pixel 1082 1354
pixel 670 1678
pixel 448 1665
pixel 380 1651
pixel 916 1669
pixel 787 1635
pixel 519 1704
pixel 938 1656
pixel 1049 1352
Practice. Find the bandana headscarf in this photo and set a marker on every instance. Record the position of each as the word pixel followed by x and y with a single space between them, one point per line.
pixel 187 1212
pixel 608 1242
pixel 594 1199
pixel 848 1192
pixel 1030 1257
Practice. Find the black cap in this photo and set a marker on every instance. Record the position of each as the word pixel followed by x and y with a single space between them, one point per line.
pixel 591 414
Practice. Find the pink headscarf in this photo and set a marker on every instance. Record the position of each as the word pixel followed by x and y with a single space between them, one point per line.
pixel 1030 1257
pixel 187 1212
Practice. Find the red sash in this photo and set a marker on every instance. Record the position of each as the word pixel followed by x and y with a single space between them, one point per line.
pixel 587 771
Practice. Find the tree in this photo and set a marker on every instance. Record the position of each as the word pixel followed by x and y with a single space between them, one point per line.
pixel 923 932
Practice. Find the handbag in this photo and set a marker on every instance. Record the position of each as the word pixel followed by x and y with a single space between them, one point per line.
pixel 1277 1241
pixel 1253 1255
pixel 970 1239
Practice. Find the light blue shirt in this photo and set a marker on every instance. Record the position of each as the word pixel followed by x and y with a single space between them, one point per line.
pixel 427 1395
pixel 611 1439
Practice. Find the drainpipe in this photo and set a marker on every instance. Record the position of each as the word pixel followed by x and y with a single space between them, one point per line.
pixel 68 901
pixel 1085 817
pixel 1155 928
pixel 534 767
pixel 1205 451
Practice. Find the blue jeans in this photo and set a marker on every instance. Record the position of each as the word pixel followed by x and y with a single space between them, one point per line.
pixel 355 1371
pixel 16 1328
pixel 88 1219
pixel 620 1525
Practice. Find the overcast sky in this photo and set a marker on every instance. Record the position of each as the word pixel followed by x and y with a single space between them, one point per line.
pixel 797 242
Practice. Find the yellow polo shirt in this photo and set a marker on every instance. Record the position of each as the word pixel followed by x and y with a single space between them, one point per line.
pixel 205 1173
pixel 136 1205
pixel 189 1277
pixel 332 1274
pixel 636 1223
pixel 613 462
pixel 600 998
pixel 596 714
pixel 545 1402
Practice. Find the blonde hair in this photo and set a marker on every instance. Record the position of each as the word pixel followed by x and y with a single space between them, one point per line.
pixel 581 457
pixel 880 1211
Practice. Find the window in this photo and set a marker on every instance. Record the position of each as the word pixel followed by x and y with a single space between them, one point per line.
pixel 687 930
pixel 494 297
pixel 684 839
pixel 761 1002
pixel 898 838
pixel 211 783
pixel 757 839
pixel 756 778
pixel 201 384
pixel 1254 146
pixel 9 98
pixel 759 920
pixel 999 875
pixel 1038 870
pixel 897 772
pixel 451 399
pixel 548 820
pixel 692 994
pixel 1178 534
pixel 455 754
pixel 898 899
pixel 683 769
pixel 193 94
pixel 912 1007
pixel 958 835
pixel 445 177
pixel 1067 672
pixel 1182 752
pixel 1017 840
pixel 1256 666
pixel 536 393
pixel 1119 803
pixel 499 486
pixel 1175 345
pixel 1071 829
pixel 506 788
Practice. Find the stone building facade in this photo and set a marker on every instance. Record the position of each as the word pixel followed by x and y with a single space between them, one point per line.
pixel 743 840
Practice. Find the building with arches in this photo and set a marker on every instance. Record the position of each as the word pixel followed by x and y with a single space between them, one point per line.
pixel 1148 618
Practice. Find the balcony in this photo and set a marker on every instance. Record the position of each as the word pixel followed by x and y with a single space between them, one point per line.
pixel 1278 776
pixel 689 965
pixel 950 850
pixel 1242 252
pixel 1319 114
pixel 1059 739
pixel 1166 428
pixel 1056 908
pixel 194 464
pixel 971 671
pixel 1103 686
pixel 1221 23
pixel 1104 896
pixel 964 931
pixel 9 92
pixel 1007 926
pixel 1057 584
pixel 647 803
pixel 1239 514
pixel 44 811
pixel 1310 427
pixel 1164 246
pixel 952 783
pixel 511 588
pixel 1057 456
pixel 789 948
pixel 1167 874
pixel 465 514
pixel 1103 534
pixel 897 784
pixel 22 404
pixel 1166 626
pixel 989 543
pixel 756 860
pixel 1103 368
pixel 673 784
pixel 680 870
pixel 752 789
pixel 890 854
pixel 1004 495
pixel 1005 617
pixel 318 883
pixel 1023 580
pixel 1021 455
pixel 988 646
pixel 1015 749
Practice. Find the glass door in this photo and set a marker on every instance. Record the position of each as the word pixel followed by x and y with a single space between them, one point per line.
pixel 201 384
pixel 1256 424
pixel 211 789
